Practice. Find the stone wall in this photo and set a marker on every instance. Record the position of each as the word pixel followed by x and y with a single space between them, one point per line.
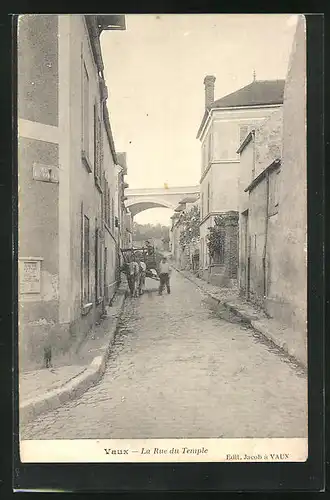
pixel 37 67
pixel 38 198
pixel 225 273
pixel 268 141
pixel 287 298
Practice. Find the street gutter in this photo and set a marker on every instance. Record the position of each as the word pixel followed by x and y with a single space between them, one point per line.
pixel 75 387
pixel 254 322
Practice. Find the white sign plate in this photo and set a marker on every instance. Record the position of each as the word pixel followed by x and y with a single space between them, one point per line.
pixel 45 173
pixel 30 276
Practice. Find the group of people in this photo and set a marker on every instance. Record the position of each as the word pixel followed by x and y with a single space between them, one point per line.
pixel 136 270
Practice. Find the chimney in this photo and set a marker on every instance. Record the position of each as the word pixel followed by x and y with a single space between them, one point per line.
pixel 209 90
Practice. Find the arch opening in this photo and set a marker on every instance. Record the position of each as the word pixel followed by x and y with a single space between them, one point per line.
pixel 154 216
pixel 138 207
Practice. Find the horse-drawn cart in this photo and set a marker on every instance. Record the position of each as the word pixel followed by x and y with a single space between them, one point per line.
pixel 145 254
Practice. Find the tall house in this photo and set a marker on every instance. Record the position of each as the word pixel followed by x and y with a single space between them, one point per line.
pixel 225 124
pixel 125 219
pixel 273 203
pixel 183 252
pixel 67 180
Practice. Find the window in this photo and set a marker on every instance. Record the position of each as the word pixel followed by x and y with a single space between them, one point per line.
pixel 277 188
pixel 85 261
pixel 202 251
pixel 85 117
pixel 226 145
pixel 203 156
pixel 97 148
pixel 208 197
pixel 106 203
pixel 104 199
pixel 105 275
pixel 108 210
pixel 202 205
pixel 97 244
pixel 243 132
pixel 98 264
pixel 209 147
pixel 112 215
pixel 273 193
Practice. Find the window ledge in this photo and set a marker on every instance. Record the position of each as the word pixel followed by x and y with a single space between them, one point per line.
pixel 98 183
pixel 108 228
pixel 86 308
pixel 273 212
pixel 86 161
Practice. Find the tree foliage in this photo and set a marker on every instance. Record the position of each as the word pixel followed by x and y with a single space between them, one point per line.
pixel 143 232
pixel 189 222
pixel 215 237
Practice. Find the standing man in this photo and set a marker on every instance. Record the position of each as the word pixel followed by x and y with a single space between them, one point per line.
pixel 143 269
pixel 164 276
pixel 129 271
pixel 135 276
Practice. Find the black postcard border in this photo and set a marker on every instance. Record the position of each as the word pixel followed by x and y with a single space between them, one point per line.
pixel 200 476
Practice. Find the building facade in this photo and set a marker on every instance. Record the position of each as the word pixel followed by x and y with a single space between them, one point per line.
pixel 124 216
pixel 273 203
pixel 185 255
pixel 260 166
pixel 67 189
pixel 224 126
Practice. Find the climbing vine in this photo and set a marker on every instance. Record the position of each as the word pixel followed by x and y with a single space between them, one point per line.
pixel 189 222
pixel 215 238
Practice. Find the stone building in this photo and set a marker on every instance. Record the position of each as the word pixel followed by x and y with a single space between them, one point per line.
pixel 273 203
pixel 67 180
pixel 182 256
pixel 124 216
pixel 225 124
pixel 260 167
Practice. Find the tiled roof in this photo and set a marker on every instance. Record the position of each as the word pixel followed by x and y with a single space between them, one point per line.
pixel 257 93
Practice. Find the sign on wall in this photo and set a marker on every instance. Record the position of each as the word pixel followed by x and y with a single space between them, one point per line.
pixel 45 173
pixel 29 275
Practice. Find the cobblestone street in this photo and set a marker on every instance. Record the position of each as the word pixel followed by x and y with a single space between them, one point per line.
pixel 178 370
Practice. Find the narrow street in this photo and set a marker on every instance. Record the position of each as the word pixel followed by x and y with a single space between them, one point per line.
pixel 178 370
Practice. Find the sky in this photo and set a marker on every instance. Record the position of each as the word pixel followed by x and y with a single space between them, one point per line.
pixel 154 72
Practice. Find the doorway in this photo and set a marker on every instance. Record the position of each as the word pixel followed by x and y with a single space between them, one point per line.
pixel 106 291
pixel 245 254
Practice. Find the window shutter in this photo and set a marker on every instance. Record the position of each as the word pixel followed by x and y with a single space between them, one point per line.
pixel 243 132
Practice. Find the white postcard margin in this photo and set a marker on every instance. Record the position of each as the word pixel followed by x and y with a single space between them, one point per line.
pixel 164 450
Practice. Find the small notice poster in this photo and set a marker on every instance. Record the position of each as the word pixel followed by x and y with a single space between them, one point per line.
pixel 29 276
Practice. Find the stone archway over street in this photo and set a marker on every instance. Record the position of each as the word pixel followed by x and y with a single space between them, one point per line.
pixel 142 199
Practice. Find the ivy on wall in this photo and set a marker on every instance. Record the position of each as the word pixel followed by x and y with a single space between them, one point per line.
pixel 215 238
pixel 189 222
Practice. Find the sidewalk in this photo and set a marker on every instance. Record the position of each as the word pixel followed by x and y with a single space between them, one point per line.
pixel 286 339
pixel 74 373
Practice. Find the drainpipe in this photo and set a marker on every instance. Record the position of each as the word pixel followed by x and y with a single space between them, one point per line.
pixel 266 236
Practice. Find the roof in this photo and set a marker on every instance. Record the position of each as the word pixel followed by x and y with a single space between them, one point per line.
pixel 111 22
pixel 107 125
pixel 257 93
pixel 275 164
pixel 188 199
pixel 121 159
pixel 246 141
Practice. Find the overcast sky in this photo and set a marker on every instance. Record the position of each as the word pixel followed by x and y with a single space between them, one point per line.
pixel 154 72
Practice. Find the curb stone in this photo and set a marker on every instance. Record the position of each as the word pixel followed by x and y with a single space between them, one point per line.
pixel 254 322
pixel 75 387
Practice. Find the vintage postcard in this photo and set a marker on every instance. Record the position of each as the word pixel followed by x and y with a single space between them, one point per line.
pixel 162 238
